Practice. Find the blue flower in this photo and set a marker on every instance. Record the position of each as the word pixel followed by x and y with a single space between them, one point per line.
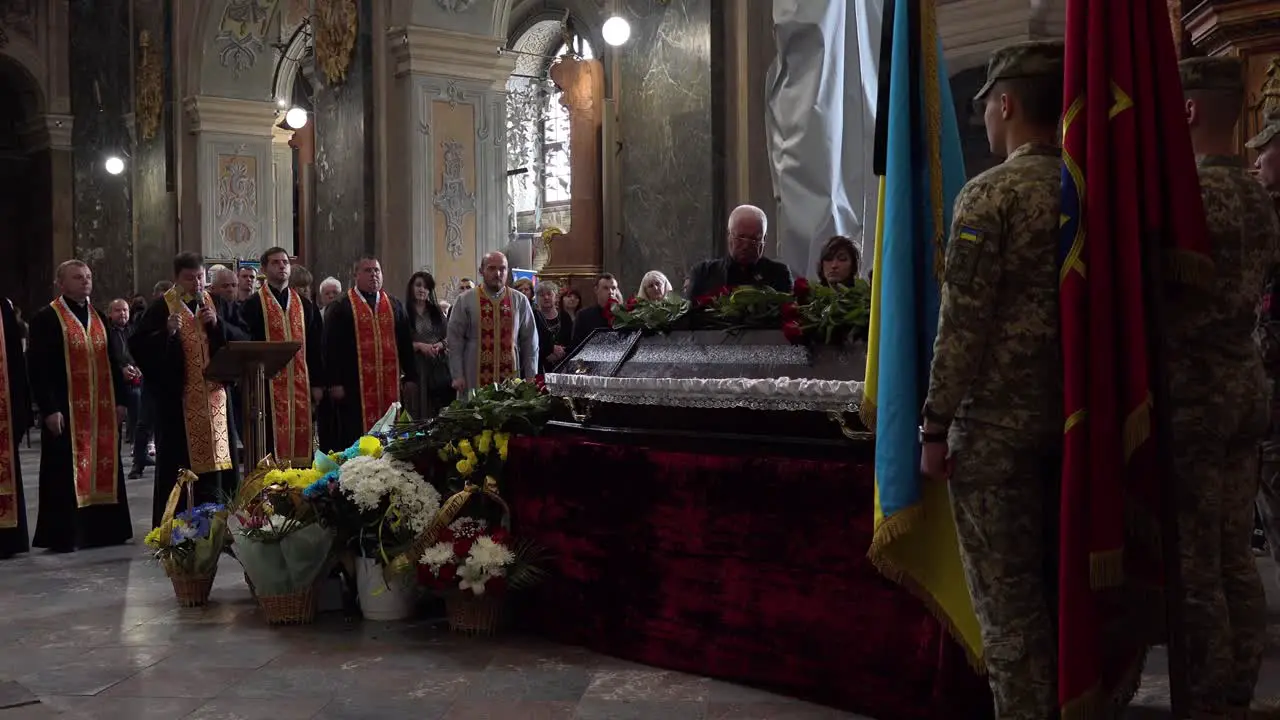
pixel 321 486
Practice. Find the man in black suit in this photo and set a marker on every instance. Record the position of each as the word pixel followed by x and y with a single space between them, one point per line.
pixel 745 264
pixel 607 295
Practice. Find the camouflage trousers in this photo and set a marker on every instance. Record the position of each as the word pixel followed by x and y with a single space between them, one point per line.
pixel 1004 495
pixel 1269 495
pixel 1224 608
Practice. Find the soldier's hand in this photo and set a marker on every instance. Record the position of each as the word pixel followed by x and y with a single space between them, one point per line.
pixel 54 423
pixel 933 460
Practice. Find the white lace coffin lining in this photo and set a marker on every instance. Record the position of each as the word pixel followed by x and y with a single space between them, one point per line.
pixel 755 394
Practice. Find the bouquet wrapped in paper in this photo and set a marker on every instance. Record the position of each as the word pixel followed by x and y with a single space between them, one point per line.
pixel 283 549
pixel 188 544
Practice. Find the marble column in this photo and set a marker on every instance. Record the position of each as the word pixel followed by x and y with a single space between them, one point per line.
pixel 450 91
pixel 577 256
pixel 343 219
pixel 101 98
pixel 282 174
pixel 155 237
pixel 235 181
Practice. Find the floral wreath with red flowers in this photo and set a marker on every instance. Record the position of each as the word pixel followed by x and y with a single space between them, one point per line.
pixel 470 556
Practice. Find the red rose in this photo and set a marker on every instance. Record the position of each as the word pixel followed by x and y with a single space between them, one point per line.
pixel 631 304
pixel 793 331
pixel 540 381
pixel 500 536
pixel 801 289
pixel 608 314
pixel 790 311
pixel 704 300
pixel 726 290
pixel 448 572
pixel 462 547
pixel 445 535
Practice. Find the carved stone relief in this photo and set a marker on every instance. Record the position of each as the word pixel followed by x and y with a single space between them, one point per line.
pixel 237 210
pixel 149 93
pixel 242 31
pixel 18 16
pixel 456 6
pixel 452 200
pixel 335 24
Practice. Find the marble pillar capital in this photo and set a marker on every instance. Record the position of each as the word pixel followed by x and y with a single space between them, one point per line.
pixel 230 116
pixel 420 50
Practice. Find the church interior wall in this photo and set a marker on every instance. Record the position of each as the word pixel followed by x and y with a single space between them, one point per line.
pixel 99 51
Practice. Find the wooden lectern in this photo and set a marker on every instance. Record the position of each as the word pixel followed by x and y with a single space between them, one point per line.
pixel 251 364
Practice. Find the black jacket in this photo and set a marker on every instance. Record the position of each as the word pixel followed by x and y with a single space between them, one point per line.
pixel 710 275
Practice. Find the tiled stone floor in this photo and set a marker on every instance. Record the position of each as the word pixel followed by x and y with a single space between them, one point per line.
pixel 95 634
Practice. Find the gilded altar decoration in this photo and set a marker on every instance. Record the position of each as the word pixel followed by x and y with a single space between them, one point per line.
pixel 542 247
pixel 1269 95
pixel 335 26
pixel 453 200
pixel 149 91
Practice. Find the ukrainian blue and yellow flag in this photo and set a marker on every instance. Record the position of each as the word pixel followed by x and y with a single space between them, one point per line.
pixel 914 542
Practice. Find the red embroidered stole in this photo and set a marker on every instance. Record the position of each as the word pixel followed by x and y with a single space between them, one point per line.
pixel 376 356
pixel 291 388
pixel 91 407
pixel 497 356
pixel 204 403
pixel 8 481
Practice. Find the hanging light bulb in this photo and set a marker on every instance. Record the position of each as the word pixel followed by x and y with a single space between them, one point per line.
pixel 114 165
pixel 296 118
pixel 616 30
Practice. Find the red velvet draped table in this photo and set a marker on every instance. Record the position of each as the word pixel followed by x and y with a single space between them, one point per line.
pixel 746 567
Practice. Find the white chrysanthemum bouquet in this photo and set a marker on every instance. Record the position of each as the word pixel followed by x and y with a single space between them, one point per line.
pixel 471 557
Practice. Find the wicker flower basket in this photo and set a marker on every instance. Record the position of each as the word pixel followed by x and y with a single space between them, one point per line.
pixel 192 590
pixel 473 614
pixel 292 609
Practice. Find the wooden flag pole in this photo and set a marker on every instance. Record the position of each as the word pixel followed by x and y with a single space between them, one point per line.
pixel 1174 592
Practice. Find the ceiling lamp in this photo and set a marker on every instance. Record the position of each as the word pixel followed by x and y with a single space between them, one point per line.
pixel 296 118
pixel 616 30
pixel 114 165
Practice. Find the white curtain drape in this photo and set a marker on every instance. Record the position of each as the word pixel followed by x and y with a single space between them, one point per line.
pixel 820 124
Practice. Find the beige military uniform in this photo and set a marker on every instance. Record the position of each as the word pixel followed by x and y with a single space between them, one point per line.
pixel 997 371
pixel 1219 404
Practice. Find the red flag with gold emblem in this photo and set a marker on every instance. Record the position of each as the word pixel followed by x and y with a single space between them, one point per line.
pixel 1129 178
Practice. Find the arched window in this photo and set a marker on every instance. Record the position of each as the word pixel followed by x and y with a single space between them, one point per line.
pixel 538 131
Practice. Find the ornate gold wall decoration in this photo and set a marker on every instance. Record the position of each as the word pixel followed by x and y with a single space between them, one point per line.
pixel 149 92
pixel 335 27
pixel 1269 94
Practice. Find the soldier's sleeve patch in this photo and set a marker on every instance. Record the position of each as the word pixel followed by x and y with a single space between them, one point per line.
pixel 964 254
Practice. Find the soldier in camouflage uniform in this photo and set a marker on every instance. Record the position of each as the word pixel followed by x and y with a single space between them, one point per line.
pixel 1267 335
pixel 1219 407
pixel 995 388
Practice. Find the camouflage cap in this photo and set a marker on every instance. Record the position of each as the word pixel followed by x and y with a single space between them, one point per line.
pixel 1270 128
pixel 1212 73
pixel 1034 58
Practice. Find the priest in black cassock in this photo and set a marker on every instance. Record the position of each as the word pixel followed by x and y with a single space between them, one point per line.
pixel 15 418
pixel 276 312
pixel 180 331
pixel 368 351
pixel 79 389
